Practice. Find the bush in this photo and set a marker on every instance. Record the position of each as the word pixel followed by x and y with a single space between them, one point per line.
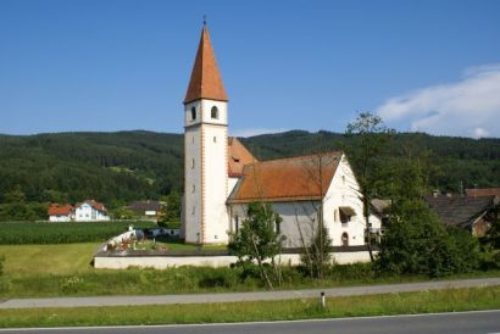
pixel 417 243
pixel 354 271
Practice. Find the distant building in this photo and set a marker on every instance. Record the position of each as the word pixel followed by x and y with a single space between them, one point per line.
pixel 474 214
pixel 91 210
pixel 60 212
pixel 484 192
pixel 148 209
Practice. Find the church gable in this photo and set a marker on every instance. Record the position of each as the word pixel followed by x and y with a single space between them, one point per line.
pixel 291 179
pixel 238 157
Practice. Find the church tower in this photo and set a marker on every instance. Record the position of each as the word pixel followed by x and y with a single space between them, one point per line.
pixel 205 151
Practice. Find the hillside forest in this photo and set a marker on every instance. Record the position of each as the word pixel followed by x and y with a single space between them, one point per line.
pixel 116 168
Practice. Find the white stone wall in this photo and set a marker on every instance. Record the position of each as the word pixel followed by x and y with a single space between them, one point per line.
pixel 164 262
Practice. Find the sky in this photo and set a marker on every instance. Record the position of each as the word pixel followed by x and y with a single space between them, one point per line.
pixel 109 65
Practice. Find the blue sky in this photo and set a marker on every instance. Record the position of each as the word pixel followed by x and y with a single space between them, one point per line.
pixel 107 65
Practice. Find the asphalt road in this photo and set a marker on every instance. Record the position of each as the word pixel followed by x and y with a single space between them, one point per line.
pixel 482 322
pixel 244 296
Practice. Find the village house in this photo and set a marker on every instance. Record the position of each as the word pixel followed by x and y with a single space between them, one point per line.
pixel 222 177
pixel 146 209
pixel 484 192
pixel 91 210
pixel 60 212
pixel 474 214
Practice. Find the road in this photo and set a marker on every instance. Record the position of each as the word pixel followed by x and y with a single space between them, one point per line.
pixel 244 296
pixel 482 322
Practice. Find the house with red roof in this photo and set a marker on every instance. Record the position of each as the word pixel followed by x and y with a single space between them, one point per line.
pixel 222 177
pixel 60 212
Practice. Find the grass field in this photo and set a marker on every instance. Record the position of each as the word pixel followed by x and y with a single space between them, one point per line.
pixel 24 233
pixel 65 270
pixel 28 260
pixel 403 303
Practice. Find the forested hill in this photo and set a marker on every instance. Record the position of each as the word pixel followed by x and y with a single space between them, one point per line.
pixel 122 166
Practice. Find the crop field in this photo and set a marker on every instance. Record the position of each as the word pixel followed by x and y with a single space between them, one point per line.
pixel 22 233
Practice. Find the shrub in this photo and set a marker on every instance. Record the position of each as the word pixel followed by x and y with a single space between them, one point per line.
pixel 71 284
pixel 417 243
pixel 354 271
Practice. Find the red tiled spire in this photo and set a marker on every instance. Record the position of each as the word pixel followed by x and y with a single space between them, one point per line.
pixel 206 81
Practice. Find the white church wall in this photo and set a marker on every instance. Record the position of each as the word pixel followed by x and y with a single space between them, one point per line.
pixel 344 192
pixel 215 183
pixel 192 186
pixel 206 112
pixel 298 220
pixel 232 181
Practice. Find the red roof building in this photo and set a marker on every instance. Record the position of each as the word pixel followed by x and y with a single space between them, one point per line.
pixel 60 212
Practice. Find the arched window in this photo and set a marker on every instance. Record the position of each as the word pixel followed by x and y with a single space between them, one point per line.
pixel 345 239
pixel 214 112
pixel 193 113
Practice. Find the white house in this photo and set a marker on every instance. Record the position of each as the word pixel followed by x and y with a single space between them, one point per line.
pixel 60 212
pixel 91 210
pixel 222 177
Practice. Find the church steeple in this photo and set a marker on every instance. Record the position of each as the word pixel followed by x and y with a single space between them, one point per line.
pixel 206 81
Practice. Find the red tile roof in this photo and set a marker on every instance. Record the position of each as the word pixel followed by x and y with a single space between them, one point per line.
pixel 206 81
pixel 238 157
pixel 292 179
pixel 60 209
pixel 96 205
pixel 483 192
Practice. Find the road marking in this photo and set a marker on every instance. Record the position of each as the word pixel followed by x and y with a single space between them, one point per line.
pixel 249 323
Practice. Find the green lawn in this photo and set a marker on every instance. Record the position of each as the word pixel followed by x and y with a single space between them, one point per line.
pixel 62 259
pixel 402 303
pixel 28 260
pixel 65 270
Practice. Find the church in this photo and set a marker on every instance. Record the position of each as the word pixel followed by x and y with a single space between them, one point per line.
pixel 221 176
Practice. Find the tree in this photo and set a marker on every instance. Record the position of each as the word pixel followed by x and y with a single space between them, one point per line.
pixel 16 195
pixel 316 243
pixel 370 137
pixel 258 241
pixel 491 242
pixel 173 207
pixel 316 256
pixel 415 241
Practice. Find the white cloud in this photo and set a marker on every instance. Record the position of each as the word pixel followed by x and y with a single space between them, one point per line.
pixel 469 107
pixel 255 132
